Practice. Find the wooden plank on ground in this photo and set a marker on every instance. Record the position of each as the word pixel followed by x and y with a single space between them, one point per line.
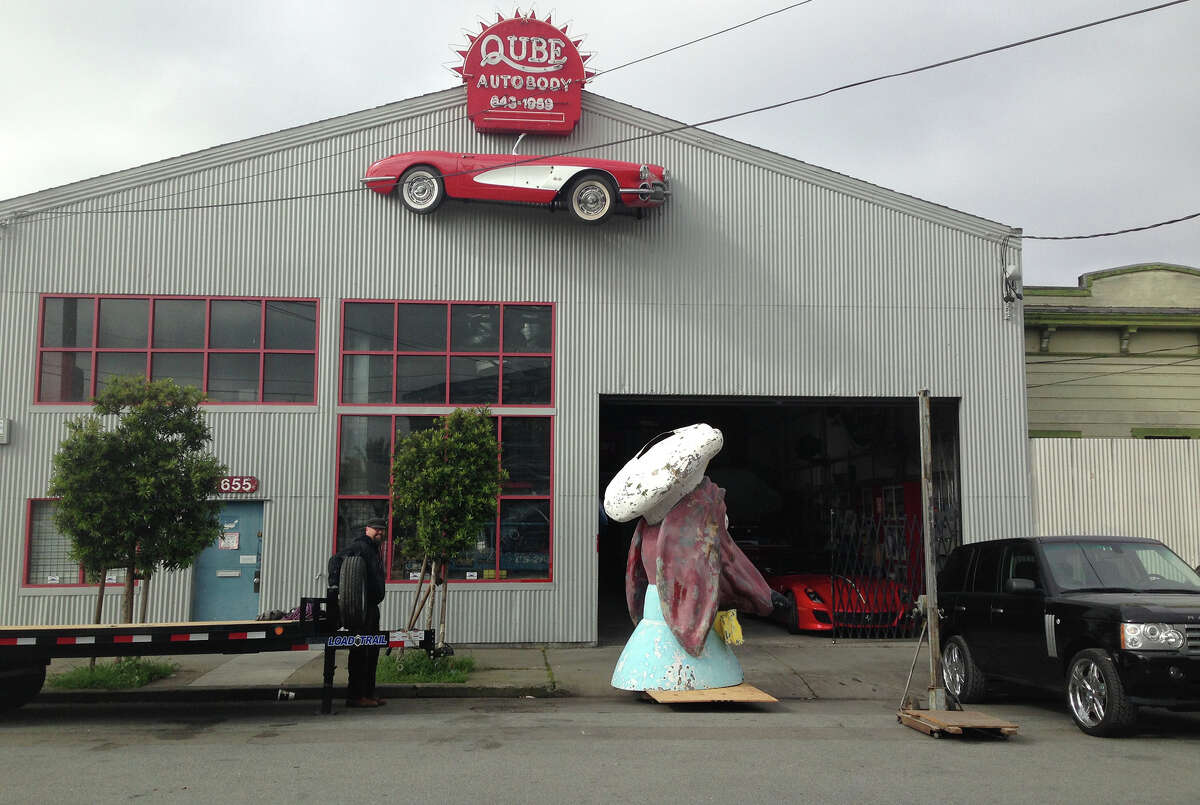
pixel 954 722
pixel 734 693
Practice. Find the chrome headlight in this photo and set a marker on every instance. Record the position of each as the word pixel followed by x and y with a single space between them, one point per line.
pixel 813 595
pixel 1151 637
pixel 644 173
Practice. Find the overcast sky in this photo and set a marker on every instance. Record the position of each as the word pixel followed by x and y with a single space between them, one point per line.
pixel 1090 132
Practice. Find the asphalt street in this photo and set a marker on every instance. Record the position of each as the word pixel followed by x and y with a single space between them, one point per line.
pixel 576 750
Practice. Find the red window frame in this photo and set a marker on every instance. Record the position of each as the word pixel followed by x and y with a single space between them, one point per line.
pixel 149 350
pixel 549 497
pixel 448 353
pixel 80 579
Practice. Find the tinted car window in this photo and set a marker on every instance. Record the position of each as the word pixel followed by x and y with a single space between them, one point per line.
pixel 1020 562
pixel 1117 565
pixel 954 574
pixel 987 568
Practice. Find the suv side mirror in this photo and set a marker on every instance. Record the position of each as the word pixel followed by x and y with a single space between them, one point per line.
pixel 1020 586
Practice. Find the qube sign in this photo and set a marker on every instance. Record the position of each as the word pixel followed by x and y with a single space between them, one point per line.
pixel 523 75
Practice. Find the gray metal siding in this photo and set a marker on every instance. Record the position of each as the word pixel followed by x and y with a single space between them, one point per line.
pixel 762 276
pixel 1119 487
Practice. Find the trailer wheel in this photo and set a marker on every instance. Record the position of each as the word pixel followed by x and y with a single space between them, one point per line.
pixel 352 593
pixel 18 690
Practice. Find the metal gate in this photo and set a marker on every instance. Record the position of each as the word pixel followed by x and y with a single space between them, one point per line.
pixel 876 550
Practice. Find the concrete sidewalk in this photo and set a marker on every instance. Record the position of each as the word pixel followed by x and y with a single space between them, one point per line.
pixel 783 665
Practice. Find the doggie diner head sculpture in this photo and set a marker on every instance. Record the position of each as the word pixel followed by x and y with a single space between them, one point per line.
pixel 682 541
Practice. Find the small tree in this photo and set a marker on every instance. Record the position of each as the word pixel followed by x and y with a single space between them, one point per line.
pixel 137 496
pixel 445 484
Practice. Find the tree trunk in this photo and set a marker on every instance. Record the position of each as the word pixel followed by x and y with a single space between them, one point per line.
pixel 99 611
pixel 127 600
pixel 146 594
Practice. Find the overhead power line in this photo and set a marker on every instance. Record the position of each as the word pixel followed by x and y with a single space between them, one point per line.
pixel 710 121
pixel 435 125
pixel 1115 232
pixel 1077 359
pixel 1107 374
pixel 699 39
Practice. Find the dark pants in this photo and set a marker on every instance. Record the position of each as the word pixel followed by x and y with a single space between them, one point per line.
pixel 363 662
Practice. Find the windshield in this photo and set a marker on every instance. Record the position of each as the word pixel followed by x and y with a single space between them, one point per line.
pixel 1118 566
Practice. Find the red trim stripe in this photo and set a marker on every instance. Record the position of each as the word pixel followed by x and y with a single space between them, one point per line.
pixel 180 638
pixel 237 635
pixel 123 638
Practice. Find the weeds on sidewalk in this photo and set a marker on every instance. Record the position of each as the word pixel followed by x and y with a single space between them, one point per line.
pixel 416 666
pixel 126 672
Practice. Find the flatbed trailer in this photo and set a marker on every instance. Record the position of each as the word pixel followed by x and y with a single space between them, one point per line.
pixel 26 651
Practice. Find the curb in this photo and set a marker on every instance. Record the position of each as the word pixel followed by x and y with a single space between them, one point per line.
pixel 306 692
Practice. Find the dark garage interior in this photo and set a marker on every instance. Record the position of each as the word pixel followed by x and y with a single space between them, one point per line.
pixel 816 486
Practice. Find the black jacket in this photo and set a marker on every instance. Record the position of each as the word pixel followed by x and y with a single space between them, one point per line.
pixel 376 576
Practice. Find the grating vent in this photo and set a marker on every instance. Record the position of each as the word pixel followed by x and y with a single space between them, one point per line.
pixel 1192 648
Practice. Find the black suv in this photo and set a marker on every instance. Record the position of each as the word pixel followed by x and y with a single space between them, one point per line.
pixel 1113 620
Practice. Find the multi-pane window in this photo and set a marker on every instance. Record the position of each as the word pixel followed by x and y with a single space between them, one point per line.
pixel 48 559
pixel 236 350
pixel 446 353
pixel 516 545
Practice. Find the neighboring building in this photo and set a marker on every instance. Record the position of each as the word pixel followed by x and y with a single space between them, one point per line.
pixel 1116 361
pixel 798 309
pixel 1118 356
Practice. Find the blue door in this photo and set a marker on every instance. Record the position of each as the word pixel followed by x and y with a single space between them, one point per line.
pixel 223 578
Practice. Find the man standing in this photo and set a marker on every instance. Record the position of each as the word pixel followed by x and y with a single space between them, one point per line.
pixel 360 691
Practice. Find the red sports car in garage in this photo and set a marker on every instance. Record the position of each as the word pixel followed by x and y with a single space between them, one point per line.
pixel 821 601
pixel 592 189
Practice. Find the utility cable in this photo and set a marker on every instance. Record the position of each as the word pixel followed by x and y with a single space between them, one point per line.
pixel 599 73
pixel 442 123
pixel 1192 345
pixel 1110 234
pixel 1111 374
pixel 732 116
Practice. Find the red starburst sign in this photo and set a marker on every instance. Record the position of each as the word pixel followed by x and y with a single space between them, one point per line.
pixel 523 75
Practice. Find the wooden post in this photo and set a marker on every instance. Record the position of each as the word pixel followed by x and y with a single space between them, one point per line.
pixel 441 632
pixel 937 685
pixel 418 600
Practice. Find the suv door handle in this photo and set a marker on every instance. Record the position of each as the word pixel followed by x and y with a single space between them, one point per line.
pixel 997 610
pixel 959 608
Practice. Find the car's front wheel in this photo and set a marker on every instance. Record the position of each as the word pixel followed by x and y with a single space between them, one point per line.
pixel 421 189
pixel 964 681
pixel 592 198
pixel 792 617
pixel 1096 696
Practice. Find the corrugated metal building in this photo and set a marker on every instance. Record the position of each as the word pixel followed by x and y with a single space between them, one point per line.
pixel 766 290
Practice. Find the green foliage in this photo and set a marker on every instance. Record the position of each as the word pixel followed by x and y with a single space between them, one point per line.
pixel 416 666
pixel 445 482
pixel 127 672
pixel 137 494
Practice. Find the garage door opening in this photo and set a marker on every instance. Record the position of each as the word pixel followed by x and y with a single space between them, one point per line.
pixel 823 495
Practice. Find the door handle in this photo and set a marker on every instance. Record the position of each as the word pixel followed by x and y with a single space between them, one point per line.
pixel 959 608
pixel 997 610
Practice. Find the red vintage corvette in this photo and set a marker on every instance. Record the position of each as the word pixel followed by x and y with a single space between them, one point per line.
pixel 820 601
pixel 592 189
